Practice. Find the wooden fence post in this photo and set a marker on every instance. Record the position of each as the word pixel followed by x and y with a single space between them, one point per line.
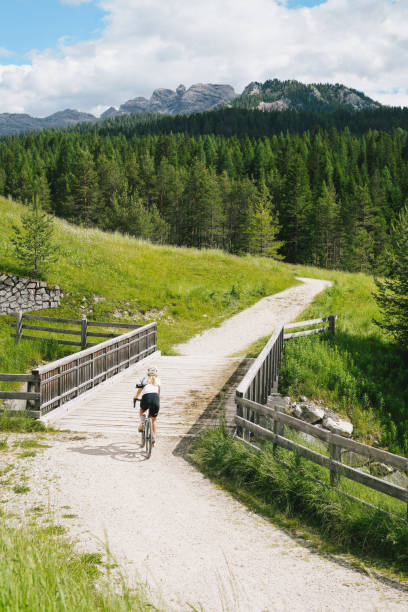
pixel 84 332
pixel 332 324
pixel 19 325
pixel 335 455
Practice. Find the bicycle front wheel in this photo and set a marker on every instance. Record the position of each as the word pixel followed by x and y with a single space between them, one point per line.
pixel 148 437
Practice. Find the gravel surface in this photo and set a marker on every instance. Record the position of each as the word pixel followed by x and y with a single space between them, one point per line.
pixel 169 526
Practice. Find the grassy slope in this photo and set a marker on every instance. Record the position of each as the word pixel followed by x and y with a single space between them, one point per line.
pixel 185 290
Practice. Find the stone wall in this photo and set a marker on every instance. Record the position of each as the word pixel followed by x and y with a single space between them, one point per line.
pixel 17 293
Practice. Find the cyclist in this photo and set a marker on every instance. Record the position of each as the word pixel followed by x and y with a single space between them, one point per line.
pixel 148 393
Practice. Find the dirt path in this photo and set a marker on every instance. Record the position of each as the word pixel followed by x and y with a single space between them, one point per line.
pixel 170 527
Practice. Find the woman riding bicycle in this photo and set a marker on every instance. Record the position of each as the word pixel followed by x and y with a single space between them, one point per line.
pixel 149 393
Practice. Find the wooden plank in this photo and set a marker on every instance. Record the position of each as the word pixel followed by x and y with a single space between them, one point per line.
pixel 377 454
pixel 351 473
pixel 105 324
pixel 102 334
pixel 306 323
pixel 51 319
pixel 306 333
pixel 69 342
pixel 55 330
pixel 23 395
pixel 17 377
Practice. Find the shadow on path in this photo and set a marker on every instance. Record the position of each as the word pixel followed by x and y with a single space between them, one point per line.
pixel 120 451
pixel 221 408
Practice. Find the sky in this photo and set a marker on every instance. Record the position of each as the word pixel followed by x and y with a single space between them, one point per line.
pixel 92 54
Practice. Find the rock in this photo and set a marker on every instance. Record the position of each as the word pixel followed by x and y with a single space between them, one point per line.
pixel 197 98
pixel 297 411
pixel 303 398
pixel 311 413
pixel 338 426
pixel 380 469
pixel 398 478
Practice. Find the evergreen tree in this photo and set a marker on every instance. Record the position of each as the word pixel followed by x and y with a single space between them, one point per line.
pixel 262 231
pixel 85 187
pixel 32 241
pixel 392 294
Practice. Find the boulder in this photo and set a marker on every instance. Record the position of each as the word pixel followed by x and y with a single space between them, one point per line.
pixel 338 426
pixel 311 413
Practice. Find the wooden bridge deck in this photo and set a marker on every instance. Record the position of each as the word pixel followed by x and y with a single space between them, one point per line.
pixel 188 384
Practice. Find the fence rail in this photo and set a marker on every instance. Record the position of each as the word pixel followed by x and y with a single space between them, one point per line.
pixel 18 395
pixel 82 332
pixel 256 420
pixel 331 319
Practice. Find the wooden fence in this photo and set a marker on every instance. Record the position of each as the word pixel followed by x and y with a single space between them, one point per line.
pixel 58 382
pixel 83 331
pixel 255 420
pixel 19 395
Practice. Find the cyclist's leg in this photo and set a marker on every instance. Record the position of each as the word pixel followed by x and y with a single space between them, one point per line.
pixel 142 419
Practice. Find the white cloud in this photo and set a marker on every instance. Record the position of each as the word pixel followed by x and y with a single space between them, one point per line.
pixel 151 43
pixel 4 52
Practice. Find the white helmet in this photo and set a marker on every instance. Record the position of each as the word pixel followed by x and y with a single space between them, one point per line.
pixel 152 371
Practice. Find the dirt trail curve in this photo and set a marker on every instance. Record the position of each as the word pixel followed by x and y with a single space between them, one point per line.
pixel 168 525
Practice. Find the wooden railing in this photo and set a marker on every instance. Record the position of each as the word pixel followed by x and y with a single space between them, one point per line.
pixel 331 319
pixel 257 421
pixel 19 395
pixel 60 381
pixel 262 376
pixel 83 331
pixel 274 427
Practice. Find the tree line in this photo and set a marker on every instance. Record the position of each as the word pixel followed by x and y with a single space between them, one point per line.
pixel 323 197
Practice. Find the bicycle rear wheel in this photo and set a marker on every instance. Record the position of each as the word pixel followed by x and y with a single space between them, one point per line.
pixel 148 437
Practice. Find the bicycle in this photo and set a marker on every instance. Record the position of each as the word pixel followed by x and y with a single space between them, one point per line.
pixel 146 434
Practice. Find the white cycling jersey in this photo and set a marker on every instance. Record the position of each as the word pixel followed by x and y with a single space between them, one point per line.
pixel 148 388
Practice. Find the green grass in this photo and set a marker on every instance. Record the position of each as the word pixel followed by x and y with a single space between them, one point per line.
pixel 21 489
pixel 20 424
pixel 291 497
pixel 39 570
pixel 116 277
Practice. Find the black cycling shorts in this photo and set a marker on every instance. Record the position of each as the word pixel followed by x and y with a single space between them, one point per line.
pixel 150 402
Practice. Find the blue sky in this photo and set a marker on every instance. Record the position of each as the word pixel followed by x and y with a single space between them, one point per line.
pixel 39 24
pixel 92 54
pixel 294 4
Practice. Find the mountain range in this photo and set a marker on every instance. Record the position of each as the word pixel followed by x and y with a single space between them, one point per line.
pixel 273 95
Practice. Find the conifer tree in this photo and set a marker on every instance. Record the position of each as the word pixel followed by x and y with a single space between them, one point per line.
pixel 262 231
pixel 392 293
pixel 33 240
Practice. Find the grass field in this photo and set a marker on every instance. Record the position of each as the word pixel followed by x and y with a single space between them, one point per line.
pixel 115 277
